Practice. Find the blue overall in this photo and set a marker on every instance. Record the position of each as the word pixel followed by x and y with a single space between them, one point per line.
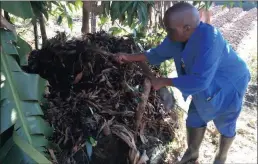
pixel 209 70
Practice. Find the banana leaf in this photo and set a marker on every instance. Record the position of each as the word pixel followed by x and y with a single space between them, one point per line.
pixel 20 110
pixel 18 8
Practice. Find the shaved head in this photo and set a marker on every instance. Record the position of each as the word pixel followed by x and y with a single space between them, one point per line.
pixel 180 21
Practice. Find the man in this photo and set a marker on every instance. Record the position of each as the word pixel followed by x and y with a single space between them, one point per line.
pixel 208 69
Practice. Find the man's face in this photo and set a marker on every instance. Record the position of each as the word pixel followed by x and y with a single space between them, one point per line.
pixel 175 34
pixel 176 31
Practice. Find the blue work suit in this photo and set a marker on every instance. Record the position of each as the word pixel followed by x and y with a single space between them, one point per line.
pixel 212 72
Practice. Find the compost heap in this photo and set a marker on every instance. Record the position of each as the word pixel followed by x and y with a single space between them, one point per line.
pixel 92 101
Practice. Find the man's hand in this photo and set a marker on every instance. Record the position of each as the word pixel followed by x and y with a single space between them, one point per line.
pixel 126 58
pixel 158 83
pixel 122 58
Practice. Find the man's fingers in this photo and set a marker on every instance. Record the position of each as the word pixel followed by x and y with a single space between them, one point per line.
pixel 119 59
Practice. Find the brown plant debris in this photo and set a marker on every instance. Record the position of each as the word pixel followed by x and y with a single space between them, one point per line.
pixel 92 100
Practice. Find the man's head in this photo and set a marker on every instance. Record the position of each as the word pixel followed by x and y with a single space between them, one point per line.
pixel 180 21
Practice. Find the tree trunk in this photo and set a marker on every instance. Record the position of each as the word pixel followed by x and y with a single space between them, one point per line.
pixel 93 22
pixel 160 14
pixel 167 4
pixel 42 29
pixel 150 15
pixel 93 16
pixel 7 17
pixel 35 28
pixel 156 15
pixel 85 17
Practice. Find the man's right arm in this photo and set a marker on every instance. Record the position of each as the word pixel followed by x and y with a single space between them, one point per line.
pixel 154 56
pixel 125 58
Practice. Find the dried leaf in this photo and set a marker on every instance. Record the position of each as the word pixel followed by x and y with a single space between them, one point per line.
pixel 78 78
pixel 102 79
pixel 144 158
pixel 106 70
pixel 134 156
pixel 53 156
pixel 142 137
pixel 124 134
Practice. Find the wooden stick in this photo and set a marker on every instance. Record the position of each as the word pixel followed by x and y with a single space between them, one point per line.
pixel 141 106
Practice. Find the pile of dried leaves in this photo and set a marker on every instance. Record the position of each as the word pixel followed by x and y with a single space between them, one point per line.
pixel 94 103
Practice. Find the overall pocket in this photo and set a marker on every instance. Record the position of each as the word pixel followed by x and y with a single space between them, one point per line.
pixel 216 99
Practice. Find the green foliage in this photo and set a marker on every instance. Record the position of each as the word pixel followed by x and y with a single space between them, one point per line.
pixel 202 4
pixel 166 67
pixel 127 11
pixel 102 21
pixel 231 4
pixel 40 7
pixel 23 131
pixel 17 8
pixel 62 10
pixel 23 49
pixel 20 108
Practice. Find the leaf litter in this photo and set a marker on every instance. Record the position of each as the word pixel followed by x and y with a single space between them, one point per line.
pixel 92 96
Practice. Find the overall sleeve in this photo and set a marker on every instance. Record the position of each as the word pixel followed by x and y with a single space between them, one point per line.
pixel 203 70
pixel 162 52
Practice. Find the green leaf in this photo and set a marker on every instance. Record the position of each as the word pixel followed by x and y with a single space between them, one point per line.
pixel 8 41
pixel 70 22
pixel 29 150
pixel 36 83
pixel 224 6
pixel 93 141
pixel 144 11
pixel 55 3
pixel 131 14
pixel 23 50
pixel 16 150
pixel 126 6
pixel 241 4
pixel 208 4
pixel 70 6
pixel 196 3
pixel 59 19
pixel 20 107
pixel 7 109
pixel 18 8
pixel 115 30
pixel 231 4
pixel 78 4
pixel 39 8
pixel 140 14
pixel 6 149
pixel 114 11
pixel 103 20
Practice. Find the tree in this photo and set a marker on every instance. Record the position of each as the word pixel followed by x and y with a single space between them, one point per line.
pixel 85 17
pixel 91 10
pixel 40 10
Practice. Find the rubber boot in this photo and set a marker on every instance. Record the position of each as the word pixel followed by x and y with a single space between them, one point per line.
pixel 194 139
pixel 224 145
